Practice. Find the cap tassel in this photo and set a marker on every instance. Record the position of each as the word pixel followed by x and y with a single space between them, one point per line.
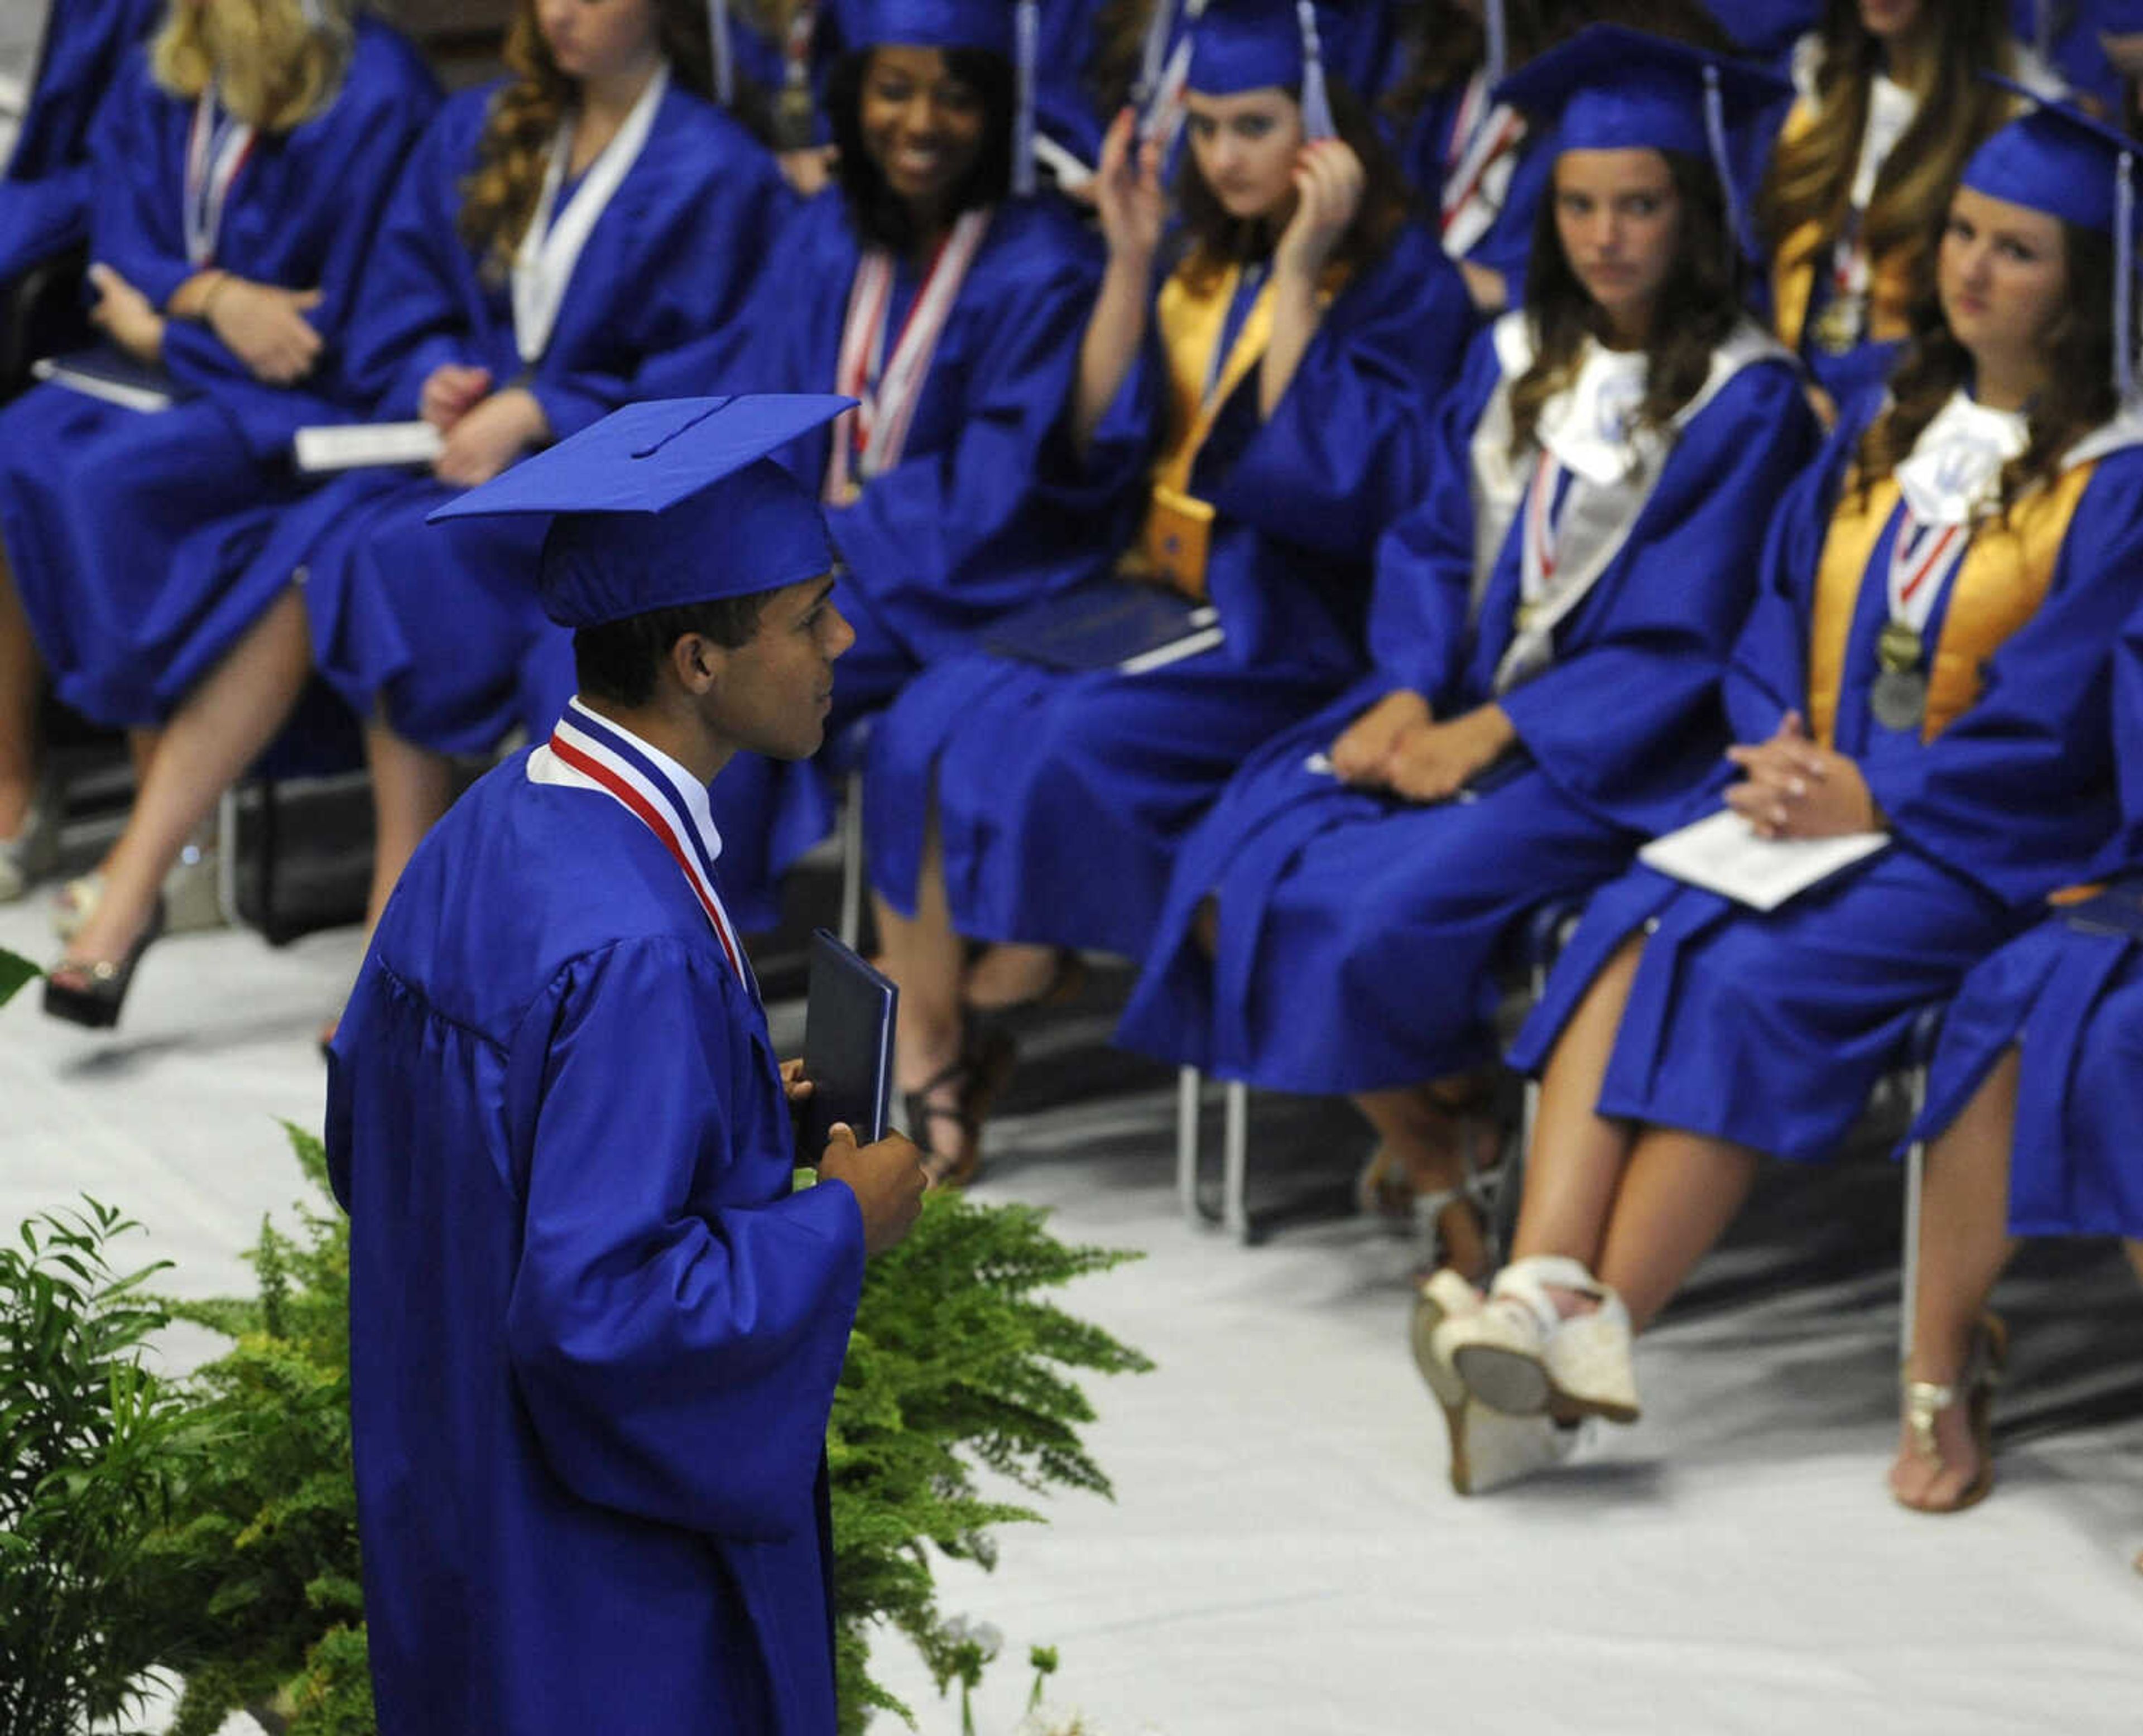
pixel 1316 103
pixel 1027 27
pixel 1714 133
pixel 2124 278
pixel 1499 42
pixel 2042 29
pixel 718 48
pixel 1153 57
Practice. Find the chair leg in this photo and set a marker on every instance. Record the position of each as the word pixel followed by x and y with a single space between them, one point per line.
pixel 1916 1157
pixel 1235 1163
pixel 1189 1090
pixel 226 856
pixel 851 861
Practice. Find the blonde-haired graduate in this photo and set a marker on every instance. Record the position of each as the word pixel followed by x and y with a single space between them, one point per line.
pixel 1930 666
pixel 1891 105
pixel 243 158
pixel 552 232
pixel 1547 629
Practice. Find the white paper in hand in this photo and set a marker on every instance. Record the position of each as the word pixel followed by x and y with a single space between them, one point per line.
pixel 1722 854
pixel 365 445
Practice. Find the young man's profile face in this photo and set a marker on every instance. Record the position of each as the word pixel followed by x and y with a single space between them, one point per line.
pixel 777 687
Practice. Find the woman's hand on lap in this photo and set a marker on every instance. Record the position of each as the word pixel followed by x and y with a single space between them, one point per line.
pixel 1792 788
pixel 489 437
pixel 122 312
pixel 450 392
pixel 1364 748
pixel 265 327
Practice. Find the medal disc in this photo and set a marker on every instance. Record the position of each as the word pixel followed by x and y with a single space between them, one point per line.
pixel 1899 648
pixel 1899 699
pixel 1837 326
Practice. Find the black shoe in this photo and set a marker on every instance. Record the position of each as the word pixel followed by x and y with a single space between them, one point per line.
pixel 97 999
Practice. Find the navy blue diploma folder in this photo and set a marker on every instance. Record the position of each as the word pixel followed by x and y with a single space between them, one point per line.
pixel 848 1045
pixel 2117 910
pixel 1116 624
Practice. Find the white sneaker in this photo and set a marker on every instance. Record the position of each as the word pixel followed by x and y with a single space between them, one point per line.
pixel 1490 1450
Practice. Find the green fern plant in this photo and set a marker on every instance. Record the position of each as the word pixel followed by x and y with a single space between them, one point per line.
pixel 957 1365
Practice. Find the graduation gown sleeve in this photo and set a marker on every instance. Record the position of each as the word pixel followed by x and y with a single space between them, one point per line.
pixel 1345 451
pixel 677 1345
pixel 1419 609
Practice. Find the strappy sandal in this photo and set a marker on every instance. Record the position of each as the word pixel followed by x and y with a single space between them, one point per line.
pixel 1925 1400
pixel 98 998
pixel 1067 981
pixel 978 1072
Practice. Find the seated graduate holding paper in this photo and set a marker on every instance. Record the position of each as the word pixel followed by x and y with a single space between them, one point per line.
pixel 1930 661
pixel 242 161
pixel 596 1329
pixel 72 55
pixel 932 283
pixel 2034 1101
pixel 1275 379
pixel 514 296
pixel 1547 629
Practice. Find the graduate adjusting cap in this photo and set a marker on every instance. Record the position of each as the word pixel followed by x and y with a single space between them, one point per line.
pixel 2057 159
pixel 1253 45
pixel 1609 88
pixel 671 502
pixel 1006 28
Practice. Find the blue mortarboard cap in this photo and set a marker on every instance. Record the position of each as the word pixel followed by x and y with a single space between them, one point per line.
pixel 2057 158
pixel 670 503
pixel 1253 45
pixel 1609 88
pixel 929 24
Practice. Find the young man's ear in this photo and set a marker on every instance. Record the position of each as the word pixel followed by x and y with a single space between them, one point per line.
pixel 698 662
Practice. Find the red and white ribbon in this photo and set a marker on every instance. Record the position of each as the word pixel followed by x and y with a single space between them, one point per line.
pixel 217 147
pixel 1479 164
pixel 1923 561
pixel 870 438
pixel 1540 542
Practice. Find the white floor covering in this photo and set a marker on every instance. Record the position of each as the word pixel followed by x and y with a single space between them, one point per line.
pixel 1284 1555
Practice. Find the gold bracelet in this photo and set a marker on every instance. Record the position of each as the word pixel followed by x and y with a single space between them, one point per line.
pixel 209 295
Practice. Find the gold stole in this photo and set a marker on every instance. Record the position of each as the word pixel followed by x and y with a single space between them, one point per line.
pixel 1998 587
pixel 1179 526
pixel 1807 250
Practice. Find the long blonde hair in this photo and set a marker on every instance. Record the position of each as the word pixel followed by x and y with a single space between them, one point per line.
pixel 271 67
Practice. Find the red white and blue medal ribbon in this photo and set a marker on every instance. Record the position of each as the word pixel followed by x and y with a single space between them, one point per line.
pixel 1482 144
pixel 870 438
pixel 1923 561
pixel 1540 542
pixel 217 147
pixel 678 816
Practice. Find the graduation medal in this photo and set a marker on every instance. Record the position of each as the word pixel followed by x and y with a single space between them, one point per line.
pixel 1839 326
pixel 1900 697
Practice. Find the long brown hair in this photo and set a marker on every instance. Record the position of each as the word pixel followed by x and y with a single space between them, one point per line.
pixel 499 194
pixel 1212 240
pixel 1811 175
pixel 1700 304
pixel 2077 397
pixel 270 67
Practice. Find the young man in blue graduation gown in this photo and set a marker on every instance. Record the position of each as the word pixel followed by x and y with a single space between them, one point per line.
pixel 594 1334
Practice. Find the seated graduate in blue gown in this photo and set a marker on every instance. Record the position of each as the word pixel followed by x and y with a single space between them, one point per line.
pixel 595 1327
pixel 73 57
pixel 2068 35
pixel 926 284
pixel 1554 614
pixel 2033 1103
pixel 243 160
pixel 1258 400
pixel 1930 661
pixel 550 235
pixel 1887 114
